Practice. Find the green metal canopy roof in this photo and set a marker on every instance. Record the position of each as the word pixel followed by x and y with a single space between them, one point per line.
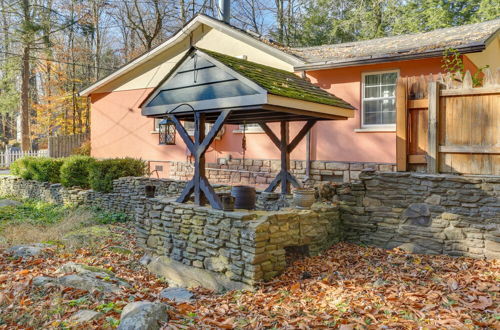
pixel 279 82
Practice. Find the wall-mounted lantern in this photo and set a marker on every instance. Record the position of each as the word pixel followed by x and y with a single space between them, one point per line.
pixel 166 127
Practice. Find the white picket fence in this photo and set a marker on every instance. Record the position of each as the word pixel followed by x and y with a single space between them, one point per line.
pixel 7 157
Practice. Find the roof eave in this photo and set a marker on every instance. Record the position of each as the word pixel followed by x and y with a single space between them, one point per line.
pixel 179 36
pixel 322 65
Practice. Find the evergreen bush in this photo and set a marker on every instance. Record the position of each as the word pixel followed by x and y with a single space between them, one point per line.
pixel 75 171
pixel 20 168
pixel 45 169
pixel 102 173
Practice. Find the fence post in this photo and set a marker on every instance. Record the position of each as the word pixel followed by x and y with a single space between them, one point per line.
pixel 433 138
pixel 7 157
pixel 401 125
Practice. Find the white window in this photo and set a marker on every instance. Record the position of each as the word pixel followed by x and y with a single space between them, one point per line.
pixel 156 123
pixel 379 99
pixel 249 128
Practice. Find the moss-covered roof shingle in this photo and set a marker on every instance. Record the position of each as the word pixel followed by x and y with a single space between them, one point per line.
pixel 279 82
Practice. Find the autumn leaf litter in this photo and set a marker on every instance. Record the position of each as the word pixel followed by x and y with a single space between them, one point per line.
pixel 347 287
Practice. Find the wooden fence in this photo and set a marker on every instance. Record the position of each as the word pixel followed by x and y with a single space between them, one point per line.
pixel 64 145
pixel 7 157
pixel 446 125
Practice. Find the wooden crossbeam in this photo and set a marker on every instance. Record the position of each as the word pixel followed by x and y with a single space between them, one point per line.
pixel 199 185
pixel 284 176
pixel 306 128
pixel 270 133
pixel 183 133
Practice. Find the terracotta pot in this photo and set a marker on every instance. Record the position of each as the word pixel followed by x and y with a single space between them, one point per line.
pixel 304 198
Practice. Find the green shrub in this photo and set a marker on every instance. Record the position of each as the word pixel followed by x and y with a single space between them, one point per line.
pixel 75 171
pixel 102 173
pixel 45 169
pixel 20 168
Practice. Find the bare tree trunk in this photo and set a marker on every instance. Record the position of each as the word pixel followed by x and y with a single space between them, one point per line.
pixel 25 79
pixel 25 99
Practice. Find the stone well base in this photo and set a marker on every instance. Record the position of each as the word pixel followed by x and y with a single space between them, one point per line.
pixel 242 247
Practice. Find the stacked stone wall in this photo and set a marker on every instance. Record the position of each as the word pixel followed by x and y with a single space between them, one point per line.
pixel 422 213
pixel 263 171
pixel 126 192
pixel 245 247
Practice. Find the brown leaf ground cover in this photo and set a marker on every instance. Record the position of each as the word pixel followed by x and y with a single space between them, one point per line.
pixel 348 287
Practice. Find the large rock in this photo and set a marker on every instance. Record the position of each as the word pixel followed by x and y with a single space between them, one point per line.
pixel 9 202
pixel 87 278
pixel 180 275
pixel 84 315
pixel 179 295
pixel 143 315
pixel 27 251
pixel 89 282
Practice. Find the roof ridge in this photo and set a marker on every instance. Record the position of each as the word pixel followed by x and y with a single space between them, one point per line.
pixel 395 36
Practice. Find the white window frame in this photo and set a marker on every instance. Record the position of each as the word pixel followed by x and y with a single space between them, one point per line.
pixel 248 129
pixel 374 127
pixel 156 126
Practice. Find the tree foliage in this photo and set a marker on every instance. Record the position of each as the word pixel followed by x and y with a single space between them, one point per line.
pixel 69 44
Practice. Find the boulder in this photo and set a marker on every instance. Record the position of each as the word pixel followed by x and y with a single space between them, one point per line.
pixel 143 315
pixel 43 280
pixel 85 315
pixel 90 278
pixel 9 202
pixel 27 251
pixel 179 295
pixel 179 275
pixel 89 282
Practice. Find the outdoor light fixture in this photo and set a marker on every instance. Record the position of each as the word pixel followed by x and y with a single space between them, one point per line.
pixel 166 128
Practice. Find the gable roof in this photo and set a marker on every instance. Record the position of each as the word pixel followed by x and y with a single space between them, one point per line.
pixel 466 38
pixel 254 40
pixel 208 82
pixel 279 82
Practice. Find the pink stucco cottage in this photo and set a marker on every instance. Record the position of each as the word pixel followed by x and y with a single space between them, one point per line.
pixel 363 74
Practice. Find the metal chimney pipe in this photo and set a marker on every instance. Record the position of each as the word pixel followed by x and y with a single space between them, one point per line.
pixel 224 10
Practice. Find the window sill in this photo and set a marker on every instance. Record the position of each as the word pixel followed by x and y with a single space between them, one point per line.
pixel 375 129
pixel 154 132
pixel 253 131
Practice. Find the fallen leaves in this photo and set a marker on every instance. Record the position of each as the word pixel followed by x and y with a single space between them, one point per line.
pixel 348 287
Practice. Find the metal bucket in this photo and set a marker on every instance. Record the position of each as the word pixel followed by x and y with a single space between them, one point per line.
pixel 244 197
pixel 227 202
pixel 150 191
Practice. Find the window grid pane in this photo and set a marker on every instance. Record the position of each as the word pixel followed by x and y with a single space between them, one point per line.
pixel 379 99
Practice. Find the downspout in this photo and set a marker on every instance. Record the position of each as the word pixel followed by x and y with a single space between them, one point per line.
pixel 308 146
pixel 308 157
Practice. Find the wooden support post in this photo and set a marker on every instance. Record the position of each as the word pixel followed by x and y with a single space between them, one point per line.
pixel 199 157
pixel 199 184
pixel 433 138
pixel 284 176
pixel 285 157
pixel 401 125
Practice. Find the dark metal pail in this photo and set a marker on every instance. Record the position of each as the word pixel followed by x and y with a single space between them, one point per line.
pixel 244 197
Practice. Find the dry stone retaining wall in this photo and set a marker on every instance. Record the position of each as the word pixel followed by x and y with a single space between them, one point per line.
pixel 422 213
pixel 245 246
pixel 126 192
pixel 263 171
